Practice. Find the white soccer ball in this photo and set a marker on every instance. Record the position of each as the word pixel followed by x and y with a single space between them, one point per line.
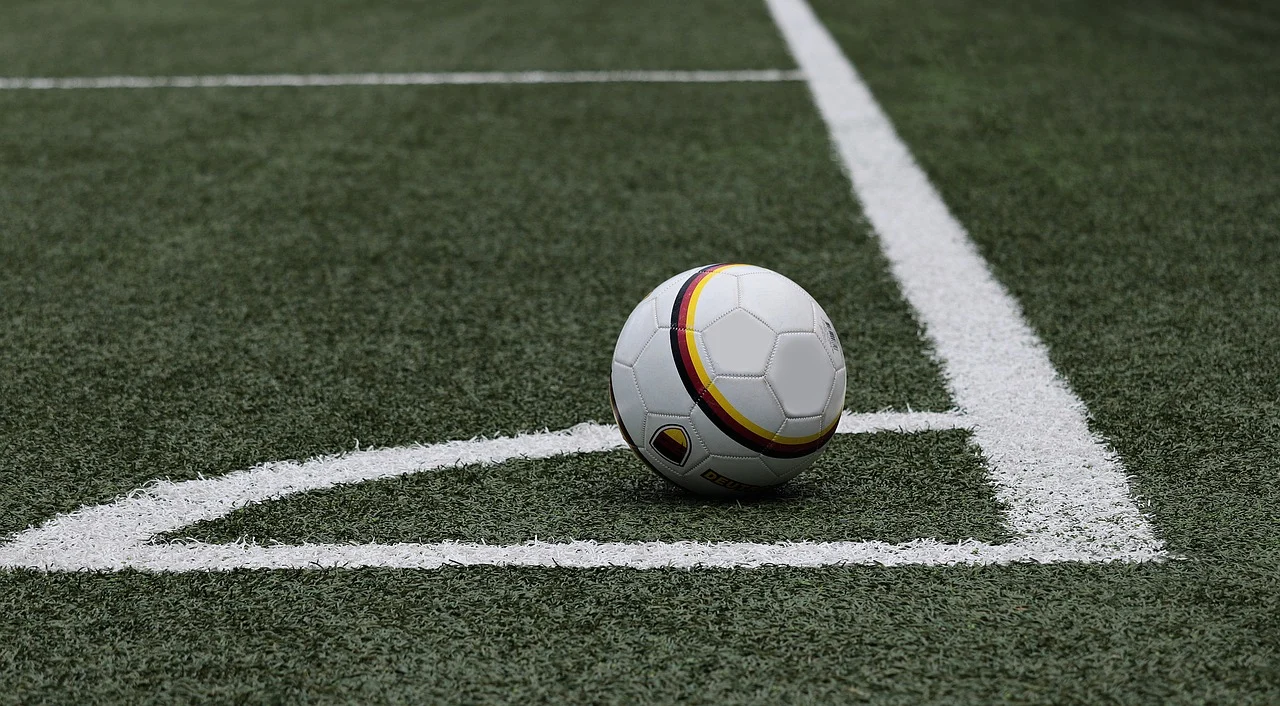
pixel 728 379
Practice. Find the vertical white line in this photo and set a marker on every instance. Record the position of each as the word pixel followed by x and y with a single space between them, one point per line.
pixel 1061 483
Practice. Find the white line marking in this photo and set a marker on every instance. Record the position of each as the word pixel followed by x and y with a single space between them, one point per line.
pixel 117 535
pixel 1060 482
pixel 198 556
pixel 905 422
pixel 410 79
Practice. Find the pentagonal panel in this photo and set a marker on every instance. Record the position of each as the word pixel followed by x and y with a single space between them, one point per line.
pixel 781 303
pixel 751 398
pixel 640 327
pixel 717 296
pixel 739 344
pixel 660 384
pixel 801 374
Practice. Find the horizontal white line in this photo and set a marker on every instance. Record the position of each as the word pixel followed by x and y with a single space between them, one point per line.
pixel 903 422
pixel 198 556
pixel 403 79
pixel 117 534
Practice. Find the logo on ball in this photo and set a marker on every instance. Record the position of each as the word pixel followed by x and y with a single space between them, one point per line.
pixel 672 443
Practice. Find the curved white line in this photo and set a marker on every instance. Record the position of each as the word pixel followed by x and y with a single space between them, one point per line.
pixel 117 535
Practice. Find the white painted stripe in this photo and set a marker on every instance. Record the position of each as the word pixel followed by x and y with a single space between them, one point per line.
pixel 117 535
pixel 198 556
pixel 403 79
pixel 904 422
pixel 1060 482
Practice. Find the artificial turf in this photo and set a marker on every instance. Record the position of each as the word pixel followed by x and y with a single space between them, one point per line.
pixel 204 286
pixel 1173 634
pixel 155 37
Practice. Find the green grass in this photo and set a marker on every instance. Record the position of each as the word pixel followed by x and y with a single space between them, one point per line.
pixel 196 281
pixel 156 37
pixel 1024 634
pixel 888 487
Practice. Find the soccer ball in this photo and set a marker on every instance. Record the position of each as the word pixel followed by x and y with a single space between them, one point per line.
pixel 728 379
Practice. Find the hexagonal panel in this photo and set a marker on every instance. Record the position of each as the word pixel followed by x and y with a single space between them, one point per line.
pixel 636 332
pixel 801 374
pixel 739 344
pixel 660 385
pixel 753 399
pixel 783 304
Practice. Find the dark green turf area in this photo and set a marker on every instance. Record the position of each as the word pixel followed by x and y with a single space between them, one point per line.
pixel 1027 634
pixel 190 282
pixel 887 487
pixel 195 282
pixel 157 37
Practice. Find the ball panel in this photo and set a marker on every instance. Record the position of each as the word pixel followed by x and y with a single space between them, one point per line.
pixel 835 400
pixel 747 470
pixel 778 301
pixel 717 296
pixel 730 477
pixel 739 344
pixel 704 356
pixel 660 384
pixel 636 333
pixel 718 443
pixel 826 333
pixel 627 403
pixel 787 468
pixel 803 426
pixel 664 297
pixel 801 374
pixel 752 398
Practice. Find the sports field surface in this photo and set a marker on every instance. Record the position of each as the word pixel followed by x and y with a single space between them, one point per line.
pixel 307 310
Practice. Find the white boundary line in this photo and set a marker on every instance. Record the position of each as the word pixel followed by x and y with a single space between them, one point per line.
pixel 199 556
pixel 118 535
pixel 1060 482
pixel 456 78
